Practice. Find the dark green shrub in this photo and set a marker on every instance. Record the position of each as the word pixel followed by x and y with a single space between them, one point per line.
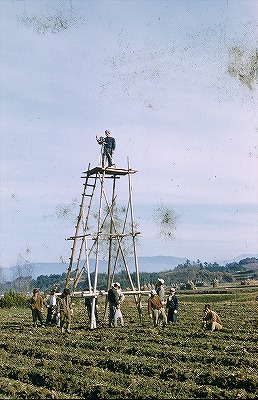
pixel 13 299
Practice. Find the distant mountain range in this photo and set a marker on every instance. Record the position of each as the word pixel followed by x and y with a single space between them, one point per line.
pixel 146 264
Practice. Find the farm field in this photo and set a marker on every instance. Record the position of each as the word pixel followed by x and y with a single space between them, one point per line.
pixel 180 361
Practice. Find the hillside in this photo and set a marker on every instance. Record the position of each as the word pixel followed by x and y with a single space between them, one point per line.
pixel 150 264
pixel 146 264
pixel 181 275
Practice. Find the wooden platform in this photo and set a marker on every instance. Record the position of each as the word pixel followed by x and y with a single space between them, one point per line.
pixel 109 171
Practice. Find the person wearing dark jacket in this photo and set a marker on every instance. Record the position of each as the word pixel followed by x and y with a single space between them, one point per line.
pixel 113 298
pixel 51 308
pixel 172 305
pixel 109 145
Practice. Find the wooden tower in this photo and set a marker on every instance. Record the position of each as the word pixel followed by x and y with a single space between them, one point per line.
pixel 100 229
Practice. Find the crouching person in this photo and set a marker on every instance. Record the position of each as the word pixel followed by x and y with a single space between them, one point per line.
pixel 211 320
pixel 156 309
pixel 65 311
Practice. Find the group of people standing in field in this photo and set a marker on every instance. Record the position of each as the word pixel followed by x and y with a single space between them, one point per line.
pixel 59 309
pixel 157 303
pixel 162 308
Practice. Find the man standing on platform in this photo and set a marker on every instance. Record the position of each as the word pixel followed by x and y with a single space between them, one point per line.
pixel 109 145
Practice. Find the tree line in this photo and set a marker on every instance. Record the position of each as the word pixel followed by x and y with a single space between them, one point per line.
pixel 200 274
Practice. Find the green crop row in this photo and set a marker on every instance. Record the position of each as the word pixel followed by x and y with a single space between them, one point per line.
pixel 180 361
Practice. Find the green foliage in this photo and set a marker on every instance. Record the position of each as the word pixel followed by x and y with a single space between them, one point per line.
pixel 201 274
pixel 13 299
pixel 46 283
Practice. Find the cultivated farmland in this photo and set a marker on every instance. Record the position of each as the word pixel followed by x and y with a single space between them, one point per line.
pixel 177 362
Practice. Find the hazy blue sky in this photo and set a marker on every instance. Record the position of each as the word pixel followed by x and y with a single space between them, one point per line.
pixel 176 84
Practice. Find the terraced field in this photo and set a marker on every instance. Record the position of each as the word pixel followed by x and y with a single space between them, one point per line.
pixel 134 362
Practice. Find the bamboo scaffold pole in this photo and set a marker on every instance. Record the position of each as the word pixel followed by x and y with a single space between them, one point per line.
pixel 138 297
pixel 111 209
pixel 111 212
pixel 93 319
